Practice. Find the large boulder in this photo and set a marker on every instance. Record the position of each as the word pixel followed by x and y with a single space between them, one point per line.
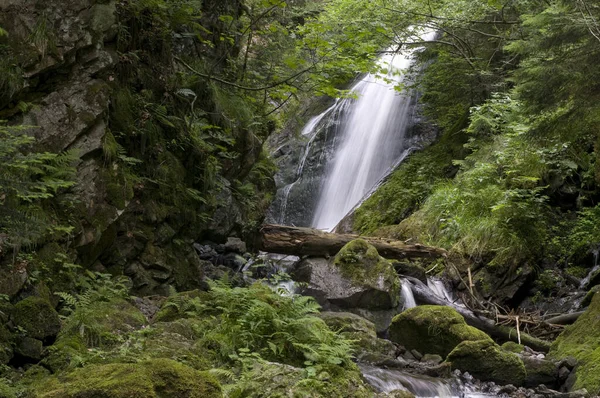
pixel 582 341
pixel 268 379
pixel 356 278
pixel 433 329
pixel 485 360
pixel 37 318
pixel 156 378
pixel 368 347
pixel 105 322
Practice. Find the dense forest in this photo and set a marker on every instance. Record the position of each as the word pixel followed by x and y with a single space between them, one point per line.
pixel 140 148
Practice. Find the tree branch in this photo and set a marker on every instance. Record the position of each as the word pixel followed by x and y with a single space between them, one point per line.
pixel 245 88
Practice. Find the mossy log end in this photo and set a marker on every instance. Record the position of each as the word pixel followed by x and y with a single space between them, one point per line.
pixel 313 242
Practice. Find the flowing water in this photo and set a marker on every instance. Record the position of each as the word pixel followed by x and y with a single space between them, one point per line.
pixel 388 380
pixel 371 141
pixel 407 296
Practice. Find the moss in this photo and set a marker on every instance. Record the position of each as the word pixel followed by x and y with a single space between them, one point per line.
pixel 65 352
pixel 511 346
pixel 7 390
pixel 367 347
pixel 589 296
pixel 37 318
pixel 486 361
pixel 346 322
pixel 360 262
pixel 6 346
pixel 158 378
pixel 577 272
pixel 582 341
pixel 432 329
pixel 99 324
pixel 267 379
pixel 540 371
pixel 176 306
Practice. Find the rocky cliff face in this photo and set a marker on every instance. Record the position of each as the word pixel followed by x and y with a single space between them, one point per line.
pixel 65 68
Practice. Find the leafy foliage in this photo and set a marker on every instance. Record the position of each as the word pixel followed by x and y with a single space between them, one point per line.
pixel 28 179
pixel 278 328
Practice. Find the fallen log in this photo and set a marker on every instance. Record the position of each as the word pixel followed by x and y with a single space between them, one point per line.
pixel 565 319
pixel 313 242
pixel 424 295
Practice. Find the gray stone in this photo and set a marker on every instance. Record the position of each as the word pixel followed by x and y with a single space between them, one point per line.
pixel 432 358
pixel 235 245
pixel 540 371
pixel 416 354
pixel 408 268
pixel 563 374
pixel 327 284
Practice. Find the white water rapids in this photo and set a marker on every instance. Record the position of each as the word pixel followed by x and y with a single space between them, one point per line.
pixel 371 138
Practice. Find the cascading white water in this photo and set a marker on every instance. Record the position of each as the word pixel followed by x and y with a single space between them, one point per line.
pixel 407 296
pixel 371 134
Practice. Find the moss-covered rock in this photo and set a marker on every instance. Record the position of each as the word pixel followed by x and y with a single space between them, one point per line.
pixel 582 341
pixel 433 329
pixel 356 278
pixel 540 371
pixel 361 263
pixel 511 346
pixel 64 351
pixel 29 349
pixel 347 322
pixel 37 318
pixel 587 300
pixel 99 324
pixel 6 348
pixel 368 347
pixel 158 378
pixel 485 360
pixel 268 379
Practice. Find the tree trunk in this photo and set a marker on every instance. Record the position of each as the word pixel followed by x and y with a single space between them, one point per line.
pixel 314 242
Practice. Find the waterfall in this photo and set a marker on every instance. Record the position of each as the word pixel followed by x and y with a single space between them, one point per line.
pixel 407 296
pixel 371 140
pixel 588 277
pixel 388 380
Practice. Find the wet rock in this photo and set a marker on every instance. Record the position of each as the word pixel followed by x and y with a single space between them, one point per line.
pixel 486 361
pixel 408 268
pixel 432 358
pixel 507 389
pixel 432 329
pixel 416 354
